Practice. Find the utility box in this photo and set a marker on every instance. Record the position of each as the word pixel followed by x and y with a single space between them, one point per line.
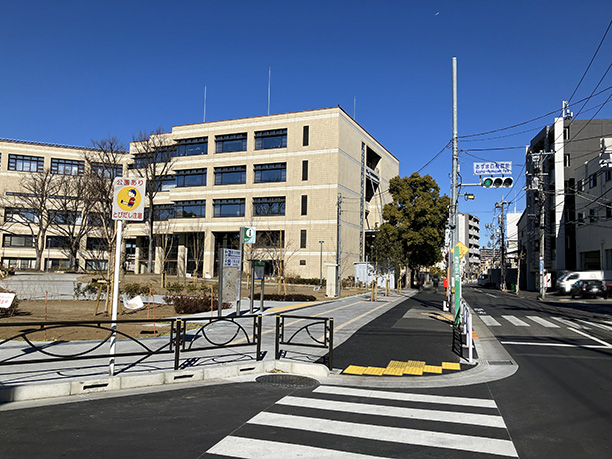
pixel 330 291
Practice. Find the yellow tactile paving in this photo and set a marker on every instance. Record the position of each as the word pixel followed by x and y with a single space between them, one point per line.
pixel 374 371
pixel 451 366
pixel 399 368
pixel 432 369
pixel 355 370
pixel 474 335
pixel 413 371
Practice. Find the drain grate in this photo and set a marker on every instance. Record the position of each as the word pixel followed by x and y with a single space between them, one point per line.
pixel 288 381
pixel 500 362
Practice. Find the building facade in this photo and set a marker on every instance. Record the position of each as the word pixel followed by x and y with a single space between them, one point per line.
pixel 555 164
pixel 287 175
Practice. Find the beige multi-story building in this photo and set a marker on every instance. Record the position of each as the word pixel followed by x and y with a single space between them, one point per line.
pixel 285 174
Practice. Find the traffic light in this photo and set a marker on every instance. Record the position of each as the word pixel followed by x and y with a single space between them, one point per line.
pixel 496 182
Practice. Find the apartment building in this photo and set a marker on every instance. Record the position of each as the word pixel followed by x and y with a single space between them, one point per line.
pixel 555 165
pixel 469 234
pixel 285 174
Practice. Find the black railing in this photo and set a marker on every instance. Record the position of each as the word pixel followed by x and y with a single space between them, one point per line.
pixel 304 335
pixel 173 342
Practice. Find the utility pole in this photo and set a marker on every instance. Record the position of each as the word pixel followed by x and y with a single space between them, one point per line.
pixel 338 246
pixel 454 224
pixel 541 202
pixel 502 224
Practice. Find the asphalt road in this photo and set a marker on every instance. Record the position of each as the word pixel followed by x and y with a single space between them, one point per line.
pixel 559 403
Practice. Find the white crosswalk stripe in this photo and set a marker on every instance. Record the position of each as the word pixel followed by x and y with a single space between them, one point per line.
pixel 383 422
pixel 543 322
pixel 490 321
pixel 516 321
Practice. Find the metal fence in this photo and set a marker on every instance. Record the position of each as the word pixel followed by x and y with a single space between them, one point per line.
pixel 303 336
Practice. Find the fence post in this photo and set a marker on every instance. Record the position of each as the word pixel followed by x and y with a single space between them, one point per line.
pixel 470 339
pixel 330 362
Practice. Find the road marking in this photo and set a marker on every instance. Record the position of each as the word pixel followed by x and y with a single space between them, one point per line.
pixel 543 322
pixel 407 397
pixel 390 434
pixel 251 448
pixel 569 323
pixel 516 321
pixel 491 295
pixel 490 321
pixel 598 325
pixel 578 346
pixel 483 420
pixel 597 340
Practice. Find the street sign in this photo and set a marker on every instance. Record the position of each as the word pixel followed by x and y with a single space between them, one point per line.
pixel 496 168
pixel 231 258
pixel 248 235
pixel 462 249
pixel 128 198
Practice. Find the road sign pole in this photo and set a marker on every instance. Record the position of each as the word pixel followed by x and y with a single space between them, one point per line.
pixel 113 338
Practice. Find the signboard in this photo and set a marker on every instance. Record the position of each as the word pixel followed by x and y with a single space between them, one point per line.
pixel 229 275
pixel 496 168
pixel 247 235
pixel 231 258
pixel 6 299
pixel 259 270
pixel 129 198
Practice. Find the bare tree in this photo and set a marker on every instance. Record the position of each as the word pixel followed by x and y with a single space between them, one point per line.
pixel 29 210
pixel 72 207
pixel 153 160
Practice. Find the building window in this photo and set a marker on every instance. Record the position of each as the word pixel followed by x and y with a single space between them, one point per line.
pixel 233 175
pixel 26 163
pixel 160 155
pixel 67 166
pixel 302 262
pixel 161 212
pixel 609 210
pixel 18 215
pixel 593 215
pixel 192 147
pixel 271 239
pixel 302 239
pixel 56 242
pixel 305 169
pixel 96 265
pixel 97 243
pixel 275 172
pixel 580 185
pixel 265 140
pixel 592 180
pixel 580 218
pixel 608 175
pixel 231 142
pixel 107 170
pixel 304 205
pixel 190 209
pixel 306 136
pixel 229 207
pixel 65 217
pixel 269 206
pixel 191 177
pixel 13 240
pixel 566 160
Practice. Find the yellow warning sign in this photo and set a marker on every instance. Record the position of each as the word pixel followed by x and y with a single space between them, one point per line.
pixel 462 249
pixel 128 202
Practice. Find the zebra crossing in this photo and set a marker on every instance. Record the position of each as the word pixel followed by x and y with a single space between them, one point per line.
pixel 348 422
pixel 528 321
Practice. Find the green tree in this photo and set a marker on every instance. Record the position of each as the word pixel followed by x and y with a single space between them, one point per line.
pixel 416 219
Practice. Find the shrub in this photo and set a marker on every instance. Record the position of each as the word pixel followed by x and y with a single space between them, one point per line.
pixel 175 287
pixel 299 280
pixel 132 289
pixel 190 304
pixel 88 290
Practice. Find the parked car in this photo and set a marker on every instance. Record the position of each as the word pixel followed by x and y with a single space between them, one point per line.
pixel 587 288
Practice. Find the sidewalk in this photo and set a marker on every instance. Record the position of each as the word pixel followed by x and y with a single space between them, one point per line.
pixel 395 330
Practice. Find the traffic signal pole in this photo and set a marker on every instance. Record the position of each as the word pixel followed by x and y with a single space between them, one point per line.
pixel 454 298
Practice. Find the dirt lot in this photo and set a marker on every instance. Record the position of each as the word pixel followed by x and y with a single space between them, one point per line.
pixel 38 311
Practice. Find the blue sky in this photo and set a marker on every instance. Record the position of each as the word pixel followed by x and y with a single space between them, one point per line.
pixel 72 71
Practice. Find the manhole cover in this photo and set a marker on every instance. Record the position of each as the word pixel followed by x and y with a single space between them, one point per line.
pixel 288 381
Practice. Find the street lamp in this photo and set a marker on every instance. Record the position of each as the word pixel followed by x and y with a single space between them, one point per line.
pixel 321 265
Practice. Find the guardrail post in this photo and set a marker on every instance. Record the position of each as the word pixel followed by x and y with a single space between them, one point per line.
pixel 330 362
pixel 277 344
pixel 258 336
pixel 470 339
pixel 177 343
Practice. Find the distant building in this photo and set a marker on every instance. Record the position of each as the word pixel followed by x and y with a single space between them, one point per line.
pixel 469 234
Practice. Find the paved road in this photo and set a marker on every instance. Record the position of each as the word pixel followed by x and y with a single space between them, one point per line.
pixel 559 403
